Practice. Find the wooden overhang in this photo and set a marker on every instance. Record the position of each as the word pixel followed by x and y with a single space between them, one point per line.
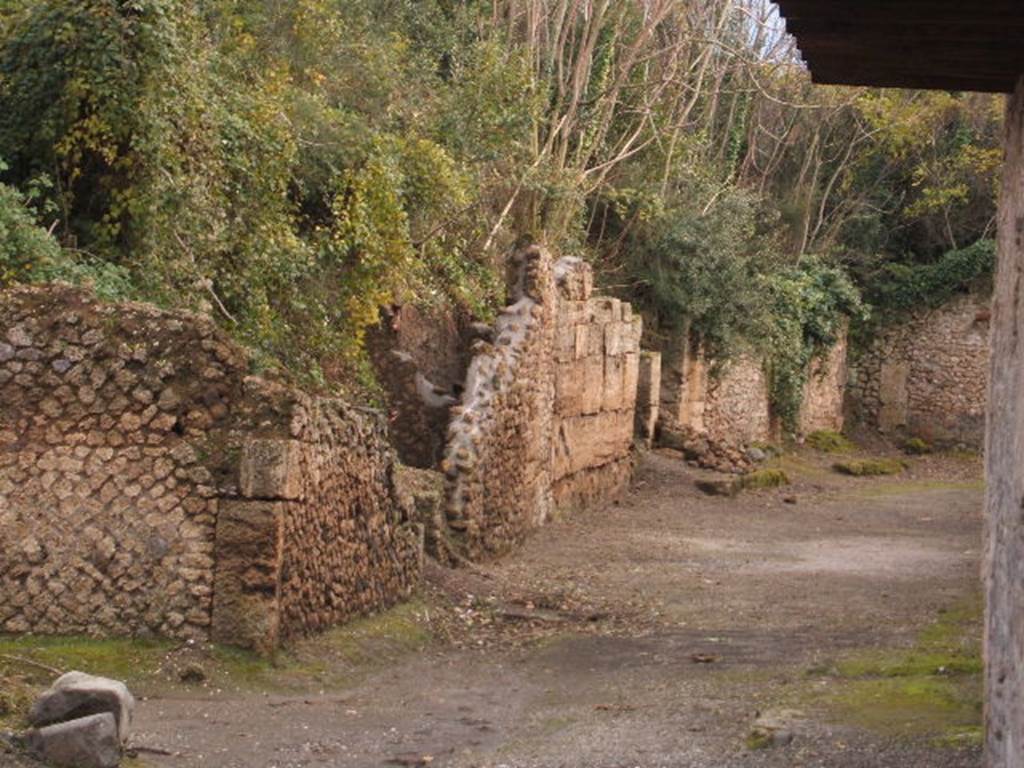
pixel 956 45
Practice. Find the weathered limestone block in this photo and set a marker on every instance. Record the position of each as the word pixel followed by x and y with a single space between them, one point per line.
pixel 87 742
pixel 592 373
pixel 246 608
pixel 574 279
pixel 271 469
pixel 77 694
pixel 554 401
pixel 648 398
pixel 614 394
pixel 591 441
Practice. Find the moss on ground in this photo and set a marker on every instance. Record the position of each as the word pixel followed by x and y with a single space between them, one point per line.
pixel 911 487
pixel 764 478
pixel 829 441
pixel 759 738
pixel 335 658
pixel 932 690
pixel 869 467
pixel 916 447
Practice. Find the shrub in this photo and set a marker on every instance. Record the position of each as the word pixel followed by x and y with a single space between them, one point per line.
pixel 764 478
pixel 829 441
pixel 26 249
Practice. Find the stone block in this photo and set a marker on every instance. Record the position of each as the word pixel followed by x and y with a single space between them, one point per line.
pixel 593 384
pixel 248 554
pixel 649 381
pixel 87 742
pixel 570 382
pixel 581 344
pixel 591 441
pixel 271 469
pixel 76 694
pixel 613 346
pixel 632 378
pixel 614 384
pixel 604 310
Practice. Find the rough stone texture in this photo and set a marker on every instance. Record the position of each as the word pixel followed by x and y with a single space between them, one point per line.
pixel 927 377
pixel 1004 469
pixel 142 470
pixel 420 358
pixel 88 742
pixel 714 413
pixel 597 373
pixel 547 417
pixel 648 396
pixel 76 694
pixel 823 403
pixel 736 406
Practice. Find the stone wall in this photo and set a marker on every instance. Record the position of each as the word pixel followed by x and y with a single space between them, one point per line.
pixel 824 394
pixel 715 412
pixel 737 410
pixel 148 485
pixel 420 357
pixel 597 364
pixel 927 377
pixel 546 418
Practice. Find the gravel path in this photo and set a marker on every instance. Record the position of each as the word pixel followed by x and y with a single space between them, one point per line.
pixel 658 632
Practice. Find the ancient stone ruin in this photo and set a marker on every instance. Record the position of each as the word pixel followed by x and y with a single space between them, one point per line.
pixel 150 485
pixel 546 419
pixel 715 413
pixel 927 377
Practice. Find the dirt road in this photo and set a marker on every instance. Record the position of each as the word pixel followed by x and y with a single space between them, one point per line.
pixel 670 630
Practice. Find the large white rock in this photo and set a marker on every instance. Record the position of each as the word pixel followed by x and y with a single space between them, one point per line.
pixel 76 694
pixel 86 742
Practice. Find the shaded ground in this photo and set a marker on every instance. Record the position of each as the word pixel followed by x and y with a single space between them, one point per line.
pixel 672 629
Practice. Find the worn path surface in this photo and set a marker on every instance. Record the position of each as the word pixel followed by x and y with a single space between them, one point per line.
pixel 661 631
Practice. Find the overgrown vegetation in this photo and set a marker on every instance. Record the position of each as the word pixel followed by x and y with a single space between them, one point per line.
pixel 829 441
pixel 291 167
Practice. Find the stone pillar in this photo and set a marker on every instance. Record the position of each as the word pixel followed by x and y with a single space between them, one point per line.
pixel 648 397
pixel 250 543
pixel 1004 460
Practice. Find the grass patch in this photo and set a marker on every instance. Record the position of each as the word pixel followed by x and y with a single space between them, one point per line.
pixel 759 738
pixel 760 478
pixel 869 467
pixel 915 446
pixel 764 478
pixel 121 658
pixel 829 441
pixel 335 658
pixel 933 689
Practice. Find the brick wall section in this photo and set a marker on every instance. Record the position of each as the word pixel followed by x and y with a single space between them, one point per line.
pixel 546 419
pixel 927 377
pixel 148 485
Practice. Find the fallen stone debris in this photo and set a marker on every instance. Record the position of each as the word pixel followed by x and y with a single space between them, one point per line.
pixel 81 721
